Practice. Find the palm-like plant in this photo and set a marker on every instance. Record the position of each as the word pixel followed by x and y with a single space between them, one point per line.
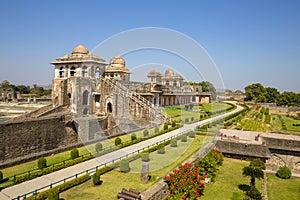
pixel 254 172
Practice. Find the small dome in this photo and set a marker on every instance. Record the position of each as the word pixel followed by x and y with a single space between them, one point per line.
pixel 80 49
pixel 117 61
pixel 169 72
pixel 153 72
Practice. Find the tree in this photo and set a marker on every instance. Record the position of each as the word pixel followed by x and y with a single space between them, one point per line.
pixel 133 136
pixel 258 163
pixel 38 91
pixel 253 172
pixel 210 88
pixel 42 163
pixel 288 99
pixel 255 92
pixel 118 141
pixel 271 94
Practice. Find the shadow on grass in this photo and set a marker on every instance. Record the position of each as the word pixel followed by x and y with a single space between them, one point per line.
pixel 244 187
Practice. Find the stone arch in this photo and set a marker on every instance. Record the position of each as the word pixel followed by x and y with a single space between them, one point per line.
pixel 62 72
pixel 72 71
pixel 85 97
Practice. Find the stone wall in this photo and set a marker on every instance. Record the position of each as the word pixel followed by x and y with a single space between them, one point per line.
pixel 235 148
pixel 24 138
pixel 281 143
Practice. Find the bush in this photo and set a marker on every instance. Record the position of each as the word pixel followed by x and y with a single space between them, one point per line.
pixel 192 119
pixel 253 193
pixel 146 133
pixel 184 138
pixel 1 175
pixel 174 143
pixel 156 130
pixel 284 172
pixel 53 194
pixel 42 163
pixel 74 153
pixel 133 136
pixel 173 123
pixel 118 141
pixel 161 150
pixel 192 134
pixel 96 178
pixel 98 147
pixel 145 157
pixel 186 120
pixel 166 126
pixel 124 166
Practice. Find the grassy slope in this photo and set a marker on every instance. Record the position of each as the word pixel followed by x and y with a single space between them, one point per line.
pixel 283 188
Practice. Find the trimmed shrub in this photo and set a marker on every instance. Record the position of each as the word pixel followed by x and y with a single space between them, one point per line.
pixel 174 143
pixel 53 194
pixel 133 136
pixel 284 172
pixel 253 193
pixel 183 138
pixel 1 175
pixel 166 126
pixel 74 153
pixel 98 147
pixel 118 141
pixel 146 133
pixel 124 166
pixel 96 178
pixel 145 157
pixel 42 163
pixel 192 119
pixel 156 130
pixel 186 120
pixel 192 134
pixel 161 150
pixel 173 123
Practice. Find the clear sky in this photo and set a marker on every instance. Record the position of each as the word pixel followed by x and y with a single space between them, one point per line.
pixel 250 41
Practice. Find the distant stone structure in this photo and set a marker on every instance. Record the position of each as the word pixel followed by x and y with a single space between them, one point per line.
pixel 9 94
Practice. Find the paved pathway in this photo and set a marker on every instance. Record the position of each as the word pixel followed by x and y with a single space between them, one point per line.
pixel 31 185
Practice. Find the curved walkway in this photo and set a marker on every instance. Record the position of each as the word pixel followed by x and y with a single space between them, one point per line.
pixel 43 181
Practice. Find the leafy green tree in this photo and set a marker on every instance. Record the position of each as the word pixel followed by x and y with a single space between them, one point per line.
pixel 38 91
pixel 288 99
pixel 210 88
pixel 255 92
pixel 253 172
pixel 23 89
pixel 271 94
pixel 258 163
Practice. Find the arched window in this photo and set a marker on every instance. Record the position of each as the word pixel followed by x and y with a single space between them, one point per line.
pixel 85 98
pixel 97 72
pixel 84 72
pixel 167 82
pixel 175 83
pixel 73 71
pixel 109 107
pixel 62 72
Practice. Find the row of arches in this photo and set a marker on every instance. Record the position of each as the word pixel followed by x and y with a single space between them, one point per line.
pixel 63 72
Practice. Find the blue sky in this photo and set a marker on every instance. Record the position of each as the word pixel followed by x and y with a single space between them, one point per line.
pixel 249 41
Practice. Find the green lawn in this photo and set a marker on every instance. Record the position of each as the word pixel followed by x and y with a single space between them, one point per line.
pixel 114 181
pixel 283 188
pixel 228 179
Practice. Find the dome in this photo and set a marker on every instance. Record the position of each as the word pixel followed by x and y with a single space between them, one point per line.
pixel 153 72
pixel 117 61
pixel 80 49
pixel 169 72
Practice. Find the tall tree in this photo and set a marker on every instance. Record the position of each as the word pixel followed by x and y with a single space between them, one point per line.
pixel 253 172
pixel 255 92
pixel 271 95
pixel 210 88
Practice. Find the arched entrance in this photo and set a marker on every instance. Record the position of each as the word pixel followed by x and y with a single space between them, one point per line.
pixel 109 107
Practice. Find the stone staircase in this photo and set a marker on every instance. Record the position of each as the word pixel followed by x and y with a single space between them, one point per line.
pixel 156 115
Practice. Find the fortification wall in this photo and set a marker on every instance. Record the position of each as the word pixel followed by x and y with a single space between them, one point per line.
pixel 19 139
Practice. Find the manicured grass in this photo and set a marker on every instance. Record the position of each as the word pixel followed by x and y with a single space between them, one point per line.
pixel 289 123
pixel 283 188
pixel 228 179
pixel 114 181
